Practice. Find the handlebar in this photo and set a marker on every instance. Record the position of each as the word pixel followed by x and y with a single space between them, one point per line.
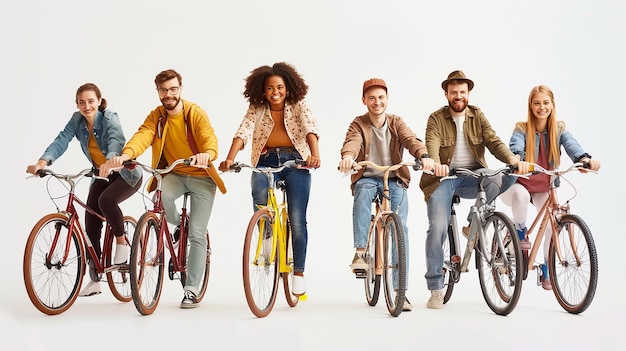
pixel 454 172
pixel 131 164
pixel 536 169
pixel 298 163
pixel 416 165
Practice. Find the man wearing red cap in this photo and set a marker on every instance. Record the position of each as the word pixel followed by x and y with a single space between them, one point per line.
pixel 381 138
pixel 456 136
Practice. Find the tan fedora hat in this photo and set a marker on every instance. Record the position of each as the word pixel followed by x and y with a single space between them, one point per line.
pixel 457 75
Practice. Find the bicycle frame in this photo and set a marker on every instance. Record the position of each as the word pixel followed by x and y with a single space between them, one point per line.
pixel 179 259
pixel 382 210
pixel 549 214
pixel 278 212
pixel 75 225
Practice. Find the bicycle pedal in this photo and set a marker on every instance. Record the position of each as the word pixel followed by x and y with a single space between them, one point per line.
pixel 360 273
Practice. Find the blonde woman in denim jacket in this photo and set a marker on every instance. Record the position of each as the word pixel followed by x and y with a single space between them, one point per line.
pixel 281 127
pixel 100 134
pixel 539 140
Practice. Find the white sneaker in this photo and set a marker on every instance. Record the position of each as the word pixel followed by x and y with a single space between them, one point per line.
pixel 298 288
pixel 407 307
pixel 436 299
pixel 92 288
pixel 121 253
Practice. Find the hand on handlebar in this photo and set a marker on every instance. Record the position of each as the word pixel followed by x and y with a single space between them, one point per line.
pixel 201 159
pixel 347 165
pixel 593 165
pixel 440 170
pixel 112 164
pixel 313 162
pixel 226 165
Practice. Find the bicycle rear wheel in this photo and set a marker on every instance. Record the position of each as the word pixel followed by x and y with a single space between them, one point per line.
pixel 287 278
pixel 53 276
pixel 119 279
pixel 394 258
pixel 260 269
pixel 372 280
pixel 205 274
pixel 500 282
pixel 573 266
pixel 450 265
pixel 146 264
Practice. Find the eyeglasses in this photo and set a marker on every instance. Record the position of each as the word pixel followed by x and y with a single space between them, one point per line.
pixel 172 90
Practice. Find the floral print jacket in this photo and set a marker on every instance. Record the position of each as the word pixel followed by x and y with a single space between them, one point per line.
pixel 258 123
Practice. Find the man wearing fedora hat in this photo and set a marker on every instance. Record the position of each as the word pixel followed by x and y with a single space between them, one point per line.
pixel 456 136
pixel 379 137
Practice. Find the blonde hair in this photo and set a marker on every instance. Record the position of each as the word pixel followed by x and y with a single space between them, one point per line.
pixel 553 146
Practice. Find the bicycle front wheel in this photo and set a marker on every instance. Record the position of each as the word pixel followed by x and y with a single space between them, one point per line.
pixel 573 264
pixel 146 264
pixel 451 273
pixel 260 268
pixel 372 280
pixel 394 259
pixel 287 277
pixel 53 274
pixel 500 279
pixel 119 279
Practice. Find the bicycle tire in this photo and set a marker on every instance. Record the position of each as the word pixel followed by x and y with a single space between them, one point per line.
pixel 260 272
pixel 119 279
pixel 147 261
pixel 202 288
pixel 394 258
pixel 372 280
pixel 501 285
pixel 450 270
pixel 287 278
pixel 574 282
pixel 53 285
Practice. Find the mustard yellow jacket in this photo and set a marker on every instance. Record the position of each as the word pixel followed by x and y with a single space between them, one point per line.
pixel 154 130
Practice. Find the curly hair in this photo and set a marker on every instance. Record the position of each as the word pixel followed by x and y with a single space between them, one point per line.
pixel 255 83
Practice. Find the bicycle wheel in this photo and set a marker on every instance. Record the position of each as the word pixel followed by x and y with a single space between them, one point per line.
pixel 287 278
pixel 573 266
pixel 53 275
pixel 119 279
pixel 372 280
pixel 205 274
pixel 500 282
pixel 146 264
pixel 394 259
pixel 451 272
pixel 260 271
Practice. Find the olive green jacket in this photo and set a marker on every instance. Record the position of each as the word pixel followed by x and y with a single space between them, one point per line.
pixel 441 140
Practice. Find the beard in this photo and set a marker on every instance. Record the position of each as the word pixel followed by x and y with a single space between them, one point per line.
pixel 170 103
pixel 457 105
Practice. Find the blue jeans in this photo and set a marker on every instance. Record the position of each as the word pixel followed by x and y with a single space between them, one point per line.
pixel 365 190
pixel 438 209
pixel 202 191
pixel 298 189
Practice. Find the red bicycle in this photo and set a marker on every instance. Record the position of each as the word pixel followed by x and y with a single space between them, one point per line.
pixel 55 256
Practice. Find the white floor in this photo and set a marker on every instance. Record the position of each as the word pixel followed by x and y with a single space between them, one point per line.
pixel 334 316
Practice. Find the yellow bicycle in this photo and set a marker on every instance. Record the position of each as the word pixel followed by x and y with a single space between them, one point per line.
pixel 267 250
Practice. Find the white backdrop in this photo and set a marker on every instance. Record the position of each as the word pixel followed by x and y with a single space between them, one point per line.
pixel 51 48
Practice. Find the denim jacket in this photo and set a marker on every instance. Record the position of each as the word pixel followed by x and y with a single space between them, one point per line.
pixel 108 132
pixel 517 144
